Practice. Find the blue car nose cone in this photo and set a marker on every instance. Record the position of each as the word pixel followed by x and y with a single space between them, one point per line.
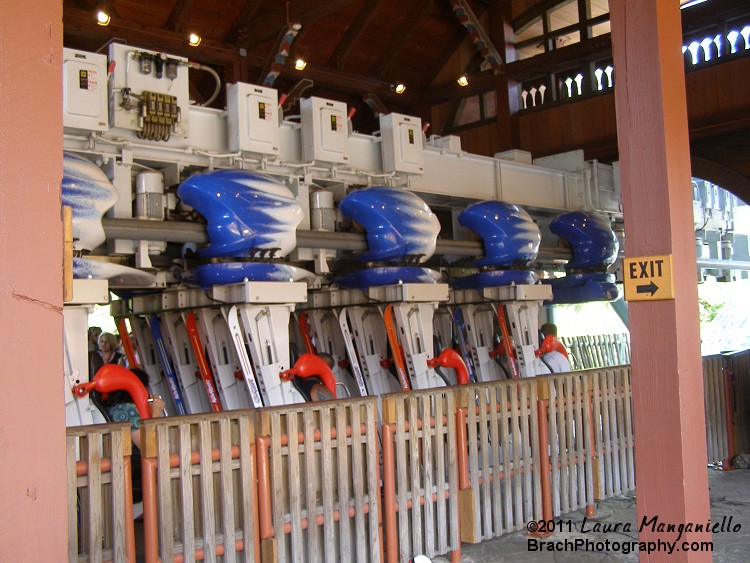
pixel 591 239
pixel 399 224
pixel 510 236
pixel 248 214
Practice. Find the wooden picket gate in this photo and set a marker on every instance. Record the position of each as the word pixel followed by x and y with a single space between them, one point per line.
pixel 199 488
pixel 498 458
pixel 598 351
pixel 569 427
pixel 420 479
pixel 716 407
pixel 614 466
pixel 738 374
pixel 319 482
pixel 100 496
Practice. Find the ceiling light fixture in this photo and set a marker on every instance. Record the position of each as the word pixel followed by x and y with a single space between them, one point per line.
pixel 399 88
pixel 462 80
pixel 102 18
pixel 195 39
pixel 300 64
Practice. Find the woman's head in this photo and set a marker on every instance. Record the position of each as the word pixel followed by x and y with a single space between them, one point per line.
pixel 107 342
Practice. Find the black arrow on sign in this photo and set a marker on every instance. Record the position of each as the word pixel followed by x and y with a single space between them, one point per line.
pixel 650 288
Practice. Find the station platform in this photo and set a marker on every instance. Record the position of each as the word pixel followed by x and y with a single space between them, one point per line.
pixel 730 497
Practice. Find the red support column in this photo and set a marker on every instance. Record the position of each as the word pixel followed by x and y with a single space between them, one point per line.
pixel 33 488
pixel 652 131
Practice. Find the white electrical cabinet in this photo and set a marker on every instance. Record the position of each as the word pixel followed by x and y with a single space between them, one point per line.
pixel 149 92
pixel 325 133
pixel 252 118
pixel 402 146
pixel 84 90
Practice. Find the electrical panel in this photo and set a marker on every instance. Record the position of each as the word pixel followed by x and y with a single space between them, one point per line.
pixel 402 147
pixel 252 118
pixel 84 90
pixel 149 92
pixel 325 132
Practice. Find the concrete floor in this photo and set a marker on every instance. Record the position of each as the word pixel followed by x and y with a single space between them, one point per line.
pixel 730 496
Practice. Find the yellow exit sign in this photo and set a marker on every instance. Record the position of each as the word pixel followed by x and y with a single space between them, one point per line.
pixel 648 278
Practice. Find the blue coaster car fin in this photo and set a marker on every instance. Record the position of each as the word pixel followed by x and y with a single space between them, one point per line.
pixel 591 239
pixel 399 224
pixel 88 191
pixel 509 233
pixel 248 214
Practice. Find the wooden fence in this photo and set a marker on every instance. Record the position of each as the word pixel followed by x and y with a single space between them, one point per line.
pixel 319 486
pixel 598 351
pixel 199 487
pixel 467 463
pixel 569 423
pixel 498 458
pixel 738 375
pixel 614 466
pixel 100 496
pixel 420 480
pixel 718 412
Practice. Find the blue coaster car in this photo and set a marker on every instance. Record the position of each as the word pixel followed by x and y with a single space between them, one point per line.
pixel 509 233
pixel 400 226
pixel 591 239
pixel 248 214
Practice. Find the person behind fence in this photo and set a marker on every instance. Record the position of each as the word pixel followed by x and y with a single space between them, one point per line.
pixel 552 351
pixel 108 349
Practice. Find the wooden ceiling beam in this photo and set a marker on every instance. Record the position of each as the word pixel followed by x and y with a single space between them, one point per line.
pixel 364 16
pixel 243 19
pixel 452 43
pixel 266 28
pixel 80 23
pixel 178 15
pixel 402 35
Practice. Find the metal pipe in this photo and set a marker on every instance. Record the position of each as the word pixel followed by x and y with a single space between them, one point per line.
pixel 723 264
pixel 186 232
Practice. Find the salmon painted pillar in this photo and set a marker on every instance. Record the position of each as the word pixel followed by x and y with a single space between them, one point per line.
pixel 33 486
pixel 652 133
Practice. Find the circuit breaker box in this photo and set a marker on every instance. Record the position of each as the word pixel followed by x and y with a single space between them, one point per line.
pixel 325 133
pixel 402 146
pixel 252 118
pixel 85 90
pixel 149 92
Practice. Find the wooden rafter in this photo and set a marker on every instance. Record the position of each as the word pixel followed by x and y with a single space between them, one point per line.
pixel 304 11
pixel 452 43
pixel 402 35
pixel 243 19
pixel 352 34
pixel 178 15
pixel 79 23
